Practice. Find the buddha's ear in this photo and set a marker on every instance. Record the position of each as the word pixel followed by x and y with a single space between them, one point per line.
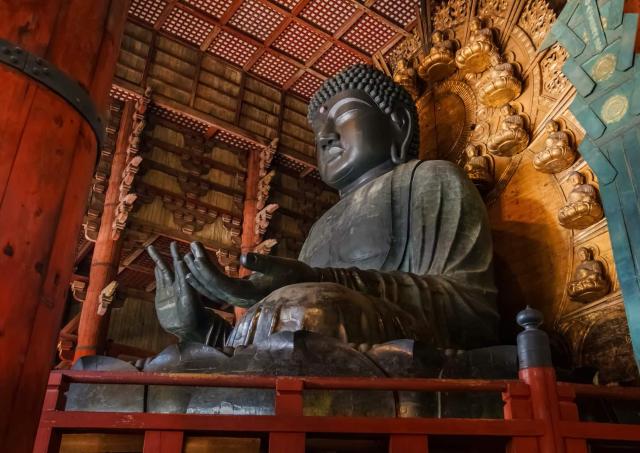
pixel 401 118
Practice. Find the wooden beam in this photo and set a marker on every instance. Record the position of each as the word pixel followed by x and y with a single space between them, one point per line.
pixel 215 187
pixel 145 189
pixel 179 151
pixel 144 225
pixel 162 18
pixel 136 253
pixel 84 251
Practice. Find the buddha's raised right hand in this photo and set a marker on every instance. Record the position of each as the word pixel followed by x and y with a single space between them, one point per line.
pixel 179 307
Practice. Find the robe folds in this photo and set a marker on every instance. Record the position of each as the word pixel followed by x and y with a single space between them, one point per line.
pixel 419 238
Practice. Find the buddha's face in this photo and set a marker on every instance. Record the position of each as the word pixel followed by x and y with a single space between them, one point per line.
pixel 584 254
pixel 353 136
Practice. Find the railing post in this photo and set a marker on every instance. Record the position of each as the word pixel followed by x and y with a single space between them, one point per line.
pixel 47 438
pixel 408 443
pixel 289 403
pixel 517 405
pixel 536 369
pixel 163 442
pixel 569 412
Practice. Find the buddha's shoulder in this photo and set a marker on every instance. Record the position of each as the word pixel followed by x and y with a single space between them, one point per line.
pixel 436 170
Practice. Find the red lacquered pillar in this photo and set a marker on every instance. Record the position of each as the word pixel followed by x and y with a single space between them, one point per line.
pixel 249 212
pixel 47 155
pixel 92 330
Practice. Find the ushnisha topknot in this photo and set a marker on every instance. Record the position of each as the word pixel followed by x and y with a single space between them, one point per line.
pixel 377 85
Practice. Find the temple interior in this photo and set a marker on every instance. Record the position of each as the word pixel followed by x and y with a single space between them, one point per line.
pixel 127 126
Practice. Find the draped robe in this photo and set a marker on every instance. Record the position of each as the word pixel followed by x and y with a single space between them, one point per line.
pixel 418 237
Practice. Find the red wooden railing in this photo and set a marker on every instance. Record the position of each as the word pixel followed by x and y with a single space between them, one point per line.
pixel 540 414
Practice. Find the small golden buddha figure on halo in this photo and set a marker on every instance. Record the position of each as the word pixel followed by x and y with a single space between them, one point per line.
pixel 405 76
pixel 476 55
pixel 499 85
pixel 511 138
pixel 558 154
pixel 479 168
pixel 589 282
pixel 582 208
pixel 439 63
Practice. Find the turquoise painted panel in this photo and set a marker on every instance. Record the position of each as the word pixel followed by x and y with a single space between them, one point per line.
pixel 604 69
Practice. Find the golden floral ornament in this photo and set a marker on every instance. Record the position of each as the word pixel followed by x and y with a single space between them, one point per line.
pixel 511 138
pixel 477 54
pixel 499 85
pixel 582 208
pixel 439 63
pixel 558 154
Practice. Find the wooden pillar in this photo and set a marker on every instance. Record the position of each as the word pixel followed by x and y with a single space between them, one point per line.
pixel 47 155
pixel 289 402
pixel 92 330
pixel 248 239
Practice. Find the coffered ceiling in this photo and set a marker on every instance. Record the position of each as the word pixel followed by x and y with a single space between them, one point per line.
pixel 293 44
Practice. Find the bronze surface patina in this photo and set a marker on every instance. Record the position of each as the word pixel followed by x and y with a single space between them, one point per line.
pixel 394 274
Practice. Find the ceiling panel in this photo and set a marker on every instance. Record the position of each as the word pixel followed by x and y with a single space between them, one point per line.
pixel 274 69
pixel 335 59
pixel 328 15
pixel 402 12
pixel 293 44
pixel 368 34
pixel 299 42
pixel 232 48
pixel 187 26
pixel 214 8
pixel 256 19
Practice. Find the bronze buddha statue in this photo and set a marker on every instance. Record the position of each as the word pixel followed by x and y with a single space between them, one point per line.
pixel 380 257
pixel 589 282
pixel 557 155
pixel 582 208
pixel 394 274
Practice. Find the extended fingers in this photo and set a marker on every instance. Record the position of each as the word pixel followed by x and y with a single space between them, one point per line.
pixel 161 265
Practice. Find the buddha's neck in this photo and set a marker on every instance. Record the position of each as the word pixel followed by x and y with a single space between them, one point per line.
pixel 366 177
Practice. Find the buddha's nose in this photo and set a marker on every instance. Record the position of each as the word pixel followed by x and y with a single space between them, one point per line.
pixel 327 141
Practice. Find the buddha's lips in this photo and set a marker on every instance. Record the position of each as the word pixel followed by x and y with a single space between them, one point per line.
pixel 334 153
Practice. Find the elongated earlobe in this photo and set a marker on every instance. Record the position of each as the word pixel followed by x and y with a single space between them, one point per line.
pixel 402 120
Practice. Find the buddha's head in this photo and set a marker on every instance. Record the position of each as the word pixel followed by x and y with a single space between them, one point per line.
pixel 551 127
pixel 507 110
pixel 475 24
pixel 471 151
pixel 585 254
pixel 576 178
pixel 361 120
pixel 402 64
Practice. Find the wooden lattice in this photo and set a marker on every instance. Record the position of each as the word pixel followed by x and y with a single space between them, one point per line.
pixel 289 43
